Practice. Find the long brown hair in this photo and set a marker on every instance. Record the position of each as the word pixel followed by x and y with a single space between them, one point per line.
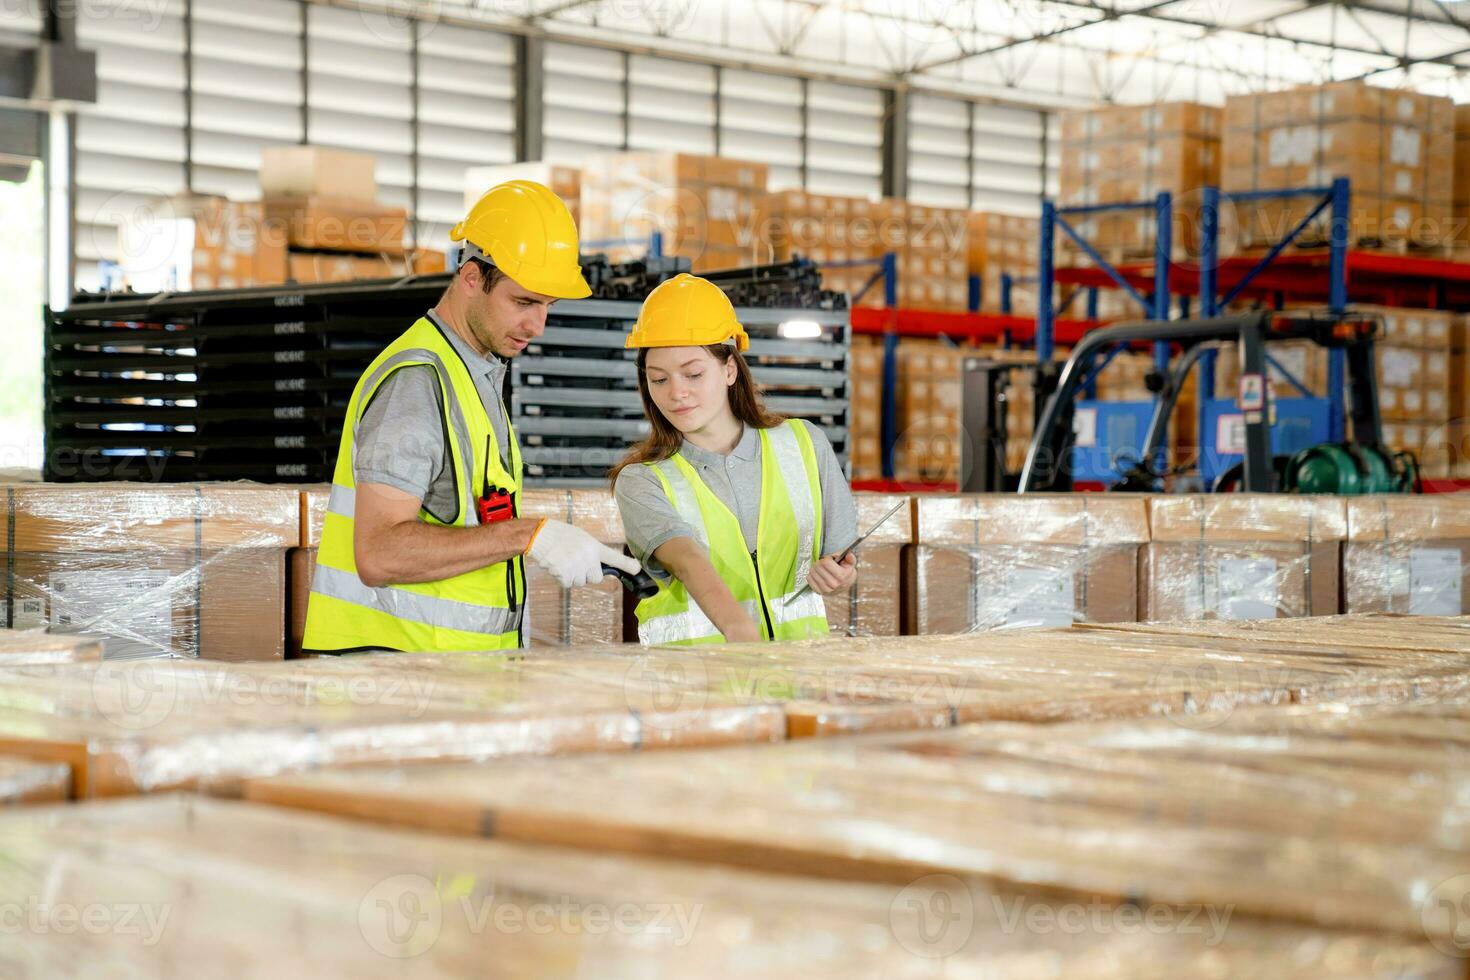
pixel 664 440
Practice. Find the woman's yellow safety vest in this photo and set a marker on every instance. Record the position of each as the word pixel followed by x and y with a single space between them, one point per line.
pixel 478 610
pixel 764 582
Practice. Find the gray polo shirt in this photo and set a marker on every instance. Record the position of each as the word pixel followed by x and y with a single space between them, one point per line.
pixel 650 520
pixel 400 440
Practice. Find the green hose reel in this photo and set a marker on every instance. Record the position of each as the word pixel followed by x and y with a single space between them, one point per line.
pixel 1349 469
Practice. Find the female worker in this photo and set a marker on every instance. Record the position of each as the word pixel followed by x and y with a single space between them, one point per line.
pixel 729 506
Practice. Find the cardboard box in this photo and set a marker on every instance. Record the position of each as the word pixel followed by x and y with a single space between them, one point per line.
pixel 574 617
pixel 1407 554
pixel 334 225
pixel 564 182
pixel 300 567
pixel 198 571
pixel 315 171
pixel 872 607
pixel 1239 556
pixel 988 561
pixel 1397 149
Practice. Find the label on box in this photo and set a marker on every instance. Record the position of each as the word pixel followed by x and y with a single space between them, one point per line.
pixel 1403 147
pixel 131 610
pixel 1084 427
pixel 1399 367
pixel 1230 435
pixel 1434 582
pixel 1246 588
pixel 1038 597
pixel 30 614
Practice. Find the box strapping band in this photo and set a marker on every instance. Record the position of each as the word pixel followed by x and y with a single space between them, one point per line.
pixel 10 557
pixel 1086 557
pixel 566 594
pixel 1307 554
pixel 1387 555
pixel 199 570
pixel 1199 565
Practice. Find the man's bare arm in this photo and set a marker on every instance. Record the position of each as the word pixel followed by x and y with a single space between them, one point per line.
pixel 690 564
pixel 393 547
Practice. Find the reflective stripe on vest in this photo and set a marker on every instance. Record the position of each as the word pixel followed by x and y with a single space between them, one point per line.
pixel 477 610
pixel 789 479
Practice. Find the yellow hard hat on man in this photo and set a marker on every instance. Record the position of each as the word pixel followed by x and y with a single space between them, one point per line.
pixel 687 311
pixel 525 231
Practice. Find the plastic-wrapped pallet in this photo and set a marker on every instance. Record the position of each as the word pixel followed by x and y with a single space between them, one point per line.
pixel 233 889
pixel 149 725
pixel 184 569
pixel 1407 554
pixel 20 648
pixel 871 607
pixel 988 561
pixel 29 781
pixel 1344 819
pixel 1241 556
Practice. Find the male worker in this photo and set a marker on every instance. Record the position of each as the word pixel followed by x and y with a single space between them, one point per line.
pixel 423 545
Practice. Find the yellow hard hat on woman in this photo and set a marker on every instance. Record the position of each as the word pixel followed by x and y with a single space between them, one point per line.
pixel 687 311
pixel 525 231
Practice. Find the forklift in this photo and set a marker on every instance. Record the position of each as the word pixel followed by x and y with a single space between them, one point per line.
pixel 1359 465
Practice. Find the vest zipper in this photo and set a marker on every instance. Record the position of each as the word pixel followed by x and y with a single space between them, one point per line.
pixel 760 591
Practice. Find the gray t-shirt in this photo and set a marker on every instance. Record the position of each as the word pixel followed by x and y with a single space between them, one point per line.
pixel 400 440
pixel 649 519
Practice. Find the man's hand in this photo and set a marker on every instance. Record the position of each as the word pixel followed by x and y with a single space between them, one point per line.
pixel 827 576
pixel 573 557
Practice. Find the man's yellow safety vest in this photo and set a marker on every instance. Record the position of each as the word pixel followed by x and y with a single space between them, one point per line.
pixel 764 582
pixel 477 610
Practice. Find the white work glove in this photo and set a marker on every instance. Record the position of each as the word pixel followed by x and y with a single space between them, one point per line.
pixel 572 556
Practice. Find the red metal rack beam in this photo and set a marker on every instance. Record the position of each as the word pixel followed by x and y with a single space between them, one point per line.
pixel 977 327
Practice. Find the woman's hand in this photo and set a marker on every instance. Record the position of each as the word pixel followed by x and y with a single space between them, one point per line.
pixel 827 576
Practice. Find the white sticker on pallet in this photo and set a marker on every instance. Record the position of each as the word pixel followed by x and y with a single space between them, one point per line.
pixel 131 610
pixel 1247 588
pixel 1036 597
pixel 1435 576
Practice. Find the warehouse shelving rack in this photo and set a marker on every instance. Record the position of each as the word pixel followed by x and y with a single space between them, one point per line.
pixel 1276 277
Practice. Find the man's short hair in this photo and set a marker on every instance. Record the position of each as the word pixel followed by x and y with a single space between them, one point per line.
pixel 490 276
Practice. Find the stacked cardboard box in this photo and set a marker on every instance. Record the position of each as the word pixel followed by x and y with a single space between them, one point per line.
pixel 872 606
pixel 26 781
pixel 1460 220
pixel 265 885
pixel 999 245
pixel 321 210
pixel 195 571
pixel 865 408
pixel 933 257
pixel 927 450
pixel 1407 554
pixel 1417 359
pixel 1183 822
pixel 301 562
pixel 574 617
pixel 1125 154
pixel 160 724
pixel 1396 146
pixel 199 242
pixel 828 229
pixel 984 562
pixel 1236 556
pixel 705 207
pixel 564 182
